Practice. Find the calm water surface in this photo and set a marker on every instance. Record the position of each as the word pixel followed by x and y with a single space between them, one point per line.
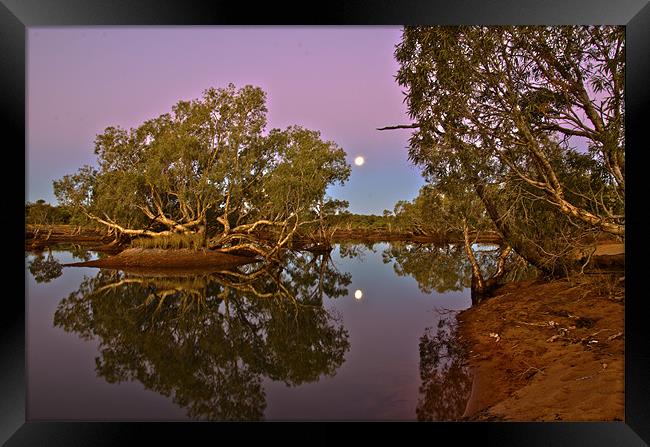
pixel 364 335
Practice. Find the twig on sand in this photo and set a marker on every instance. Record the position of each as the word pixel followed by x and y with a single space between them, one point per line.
pixel 545 324
pixel 615 336
pixel 531 368
pixel 587 377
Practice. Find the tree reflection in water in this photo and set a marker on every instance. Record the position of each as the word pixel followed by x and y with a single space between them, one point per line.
pixel 45 269
pixel 353 250
pixel 445 268
pixel 446 380
pixel 208 340
pixel 441 268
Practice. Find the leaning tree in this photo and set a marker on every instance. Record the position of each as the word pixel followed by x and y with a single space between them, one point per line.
pixel 457 209
pixel 207 168
pixel 532 118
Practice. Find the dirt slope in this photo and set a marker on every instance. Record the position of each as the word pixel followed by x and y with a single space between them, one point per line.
pixel 548 351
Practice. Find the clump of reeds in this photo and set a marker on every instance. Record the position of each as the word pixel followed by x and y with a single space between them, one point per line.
pixel 173 241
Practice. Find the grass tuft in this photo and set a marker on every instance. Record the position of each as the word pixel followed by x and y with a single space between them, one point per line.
pixel 175 241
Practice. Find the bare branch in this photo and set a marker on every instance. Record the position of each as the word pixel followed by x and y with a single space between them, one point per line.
pixel 400 126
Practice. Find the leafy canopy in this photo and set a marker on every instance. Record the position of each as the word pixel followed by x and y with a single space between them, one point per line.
pixel 208 159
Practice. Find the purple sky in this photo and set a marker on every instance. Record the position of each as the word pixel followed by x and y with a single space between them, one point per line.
pixel 339 80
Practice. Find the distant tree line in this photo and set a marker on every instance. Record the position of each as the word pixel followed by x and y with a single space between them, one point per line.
pixel 42 213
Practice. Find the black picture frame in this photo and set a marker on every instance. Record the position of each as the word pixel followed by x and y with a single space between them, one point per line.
pixel 17 15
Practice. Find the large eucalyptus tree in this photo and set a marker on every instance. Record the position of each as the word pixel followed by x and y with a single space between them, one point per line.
pixel 532 118
pixel 207 164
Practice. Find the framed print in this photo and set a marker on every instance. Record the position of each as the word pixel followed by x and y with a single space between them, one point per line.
pixel 352 213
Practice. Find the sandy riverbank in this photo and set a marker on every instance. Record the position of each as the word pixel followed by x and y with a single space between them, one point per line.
pixel 548 351
pixel 167 258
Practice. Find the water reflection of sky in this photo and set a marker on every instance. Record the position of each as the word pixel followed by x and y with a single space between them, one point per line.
pixel 379 378
pixel 61 379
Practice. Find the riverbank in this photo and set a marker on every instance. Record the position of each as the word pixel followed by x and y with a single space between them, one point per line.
pixel 546 351
pixel 157 258
pixel 42 236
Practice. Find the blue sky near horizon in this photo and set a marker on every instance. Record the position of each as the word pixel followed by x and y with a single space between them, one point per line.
pixel 338 80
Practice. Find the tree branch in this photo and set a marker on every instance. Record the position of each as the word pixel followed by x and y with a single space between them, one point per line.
pixel 400 126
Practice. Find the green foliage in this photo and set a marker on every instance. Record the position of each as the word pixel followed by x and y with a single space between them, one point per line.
pixel 351 221
pixel 303 168
pixel 477 91
pixel 443 208
pixel 498 113
pixel 207 159
pixel 42 213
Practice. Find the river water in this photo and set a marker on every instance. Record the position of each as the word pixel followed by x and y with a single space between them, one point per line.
pixel 366 333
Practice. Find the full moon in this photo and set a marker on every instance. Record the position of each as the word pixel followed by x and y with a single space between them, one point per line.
pixel 359 160
pixel 358 294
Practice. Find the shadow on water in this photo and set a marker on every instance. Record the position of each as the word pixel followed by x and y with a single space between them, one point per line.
pixel 207 341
